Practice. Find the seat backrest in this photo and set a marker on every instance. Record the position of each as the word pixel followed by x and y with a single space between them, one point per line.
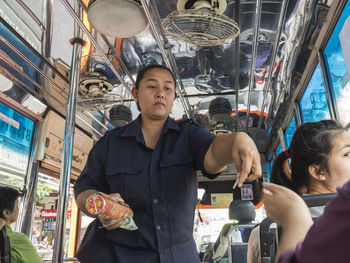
pixel 5 248
pixel 238 252
pixel 268 241
pixel 246 233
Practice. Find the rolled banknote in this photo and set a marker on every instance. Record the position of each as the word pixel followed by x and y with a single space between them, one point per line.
pixel 104 206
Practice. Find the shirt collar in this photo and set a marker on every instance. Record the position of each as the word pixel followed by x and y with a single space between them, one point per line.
pixel 171 124
pixel 134 129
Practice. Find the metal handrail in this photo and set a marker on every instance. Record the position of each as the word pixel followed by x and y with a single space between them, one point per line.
pixel 30 13
pixel 70 259
pixel 281 20
pixel 66 163
pixel 257 17
pixel 115 54
pixel 95 44
pixel 32 64
pixel 237 60
pixel 168 58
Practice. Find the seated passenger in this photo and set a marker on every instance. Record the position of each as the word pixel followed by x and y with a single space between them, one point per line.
pixel 311 146
pixel 22 250
pixel 289 212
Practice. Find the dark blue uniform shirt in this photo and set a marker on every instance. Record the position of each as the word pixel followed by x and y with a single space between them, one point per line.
pixel 160 186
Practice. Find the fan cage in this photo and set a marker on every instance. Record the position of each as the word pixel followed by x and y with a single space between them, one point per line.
pixel 202 27
pixel 99 103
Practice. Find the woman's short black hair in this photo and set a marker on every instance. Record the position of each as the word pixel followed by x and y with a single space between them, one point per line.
pixel 311 144
pixel 143 71
pixel 8 197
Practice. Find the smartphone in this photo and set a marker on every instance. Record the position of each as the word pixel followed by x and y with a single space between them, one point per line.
pixel 250 191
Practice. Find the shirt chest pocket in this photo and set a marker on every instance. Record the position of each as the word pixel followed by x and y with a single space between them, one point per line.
pixel 127 178
pixel 178 175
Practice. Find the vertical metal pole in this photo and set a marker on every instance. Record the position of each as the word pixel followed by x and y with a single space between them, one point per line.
pixel 94 43
pixel 169 60
pixel 66 163
pixel 48 24
pixel 252 83
pixel 24 213
pixel 28 201
pixel 280 26
pixel 332 105
pixel 237 64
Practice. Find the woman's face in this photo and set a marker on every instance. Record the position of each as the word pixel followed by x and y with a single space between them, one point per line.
pixel 156 94
pixel 339 161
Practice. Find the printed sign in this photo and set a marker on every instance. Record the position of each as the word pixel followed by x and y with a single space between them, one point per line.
pixel 16 132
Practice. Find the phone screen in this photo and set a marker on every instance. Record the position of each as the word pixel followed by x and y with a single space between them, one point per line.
pixel 247 192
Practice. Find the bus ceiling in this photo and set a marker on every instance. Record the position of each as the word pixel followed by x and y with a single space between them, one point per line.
pixel 237 62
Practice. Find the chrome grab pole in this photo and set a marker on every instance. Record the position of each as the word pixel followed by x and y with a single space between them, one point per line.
pixel 28 200
pixel 95 44
pixel 237 62
pixel 48 23
pixel 169 60
pixel 280 24
pixel 25 215
pixel 257 17
pixel 66 162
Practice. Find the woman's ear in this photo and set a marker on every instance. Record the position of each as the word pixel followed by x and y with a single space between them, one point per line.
pixel 134 93
pixel 286 169
pixel 5 213
pixel 317 173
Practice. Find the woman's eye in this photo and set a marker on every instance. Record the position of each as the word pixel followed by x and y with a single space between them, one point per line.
pixel 347 154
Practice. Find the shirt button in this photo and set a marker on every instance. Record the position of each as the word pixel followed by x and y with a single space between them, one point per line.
pixel 158 227
pixel 155 201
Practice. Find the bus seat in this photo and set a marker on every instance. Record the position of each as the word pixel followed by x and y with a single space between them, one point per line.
pixel 238 253
pixel 268 240
pixel 5 248
pixel 244 212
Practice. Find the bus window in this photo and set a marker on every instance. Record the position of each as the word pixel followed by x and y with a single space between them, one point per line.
pixel 279 149
pixel 269 167
pixel 289 132
pixel 313 104
pixel 337 72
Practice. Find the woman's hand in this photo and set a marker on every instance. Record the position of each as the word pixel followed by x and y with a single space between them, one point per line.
pixel 108 223
pixel 237 148
pixel 284 206
pixel 290 212
pixel 246 158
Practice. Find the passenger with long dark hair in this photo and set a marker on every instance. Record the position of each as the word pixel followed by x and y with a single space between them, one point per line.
pixel 308 171
pixel 151 164
pixel 328 240
pixel 309 152
pixel 22 250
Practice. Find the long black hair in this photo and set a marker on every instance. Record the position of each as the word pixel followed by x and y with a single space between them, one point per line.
pixel 8 197
pixel 311 144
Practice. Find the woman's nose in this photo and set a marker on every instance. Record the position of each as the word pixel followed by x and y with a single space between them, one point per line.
pixel 160 94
